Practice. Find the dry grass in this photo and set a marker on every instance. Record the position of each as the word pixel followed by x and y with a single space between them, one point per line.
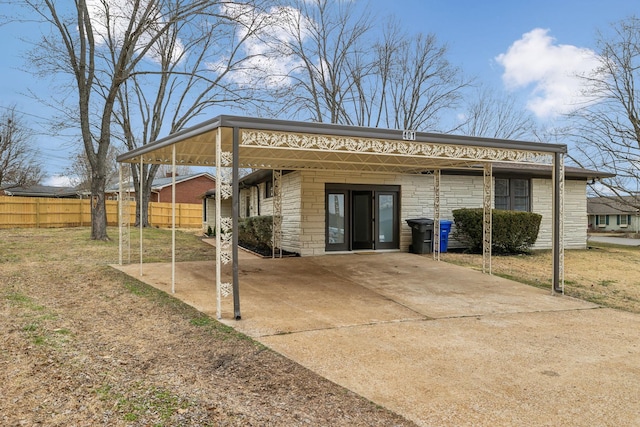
pixel 83 344
pixel 608 275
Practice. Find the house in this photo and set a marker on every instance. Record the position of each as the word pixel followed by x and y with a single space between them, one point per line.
pixel 41 191
pixel 614 214
pixel 337 188
pixel 189 188
pixel 347 202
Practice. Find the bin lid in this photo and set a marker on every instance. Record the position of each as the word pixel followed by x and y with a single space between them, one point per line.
pixel 445 221
pixel 419 221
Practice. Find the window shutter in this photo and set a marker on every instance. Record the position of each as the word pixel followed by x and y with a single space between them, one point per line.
pixel 629 220
pixel 607 220
pixel 597 219
pixel 617 219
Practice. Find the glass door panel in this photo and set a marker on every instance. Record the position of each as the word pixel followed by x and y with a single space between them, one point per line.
pixel 337 230
pixel 362 220
pixel 387 221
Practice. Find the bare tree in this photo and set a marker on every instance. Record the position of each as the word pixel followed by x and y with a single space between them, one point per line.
pixel 185 76
pixel 99 44
pixel 421 83
pixel 342 72
pixel 80 169
pixel 607 128
pixel 19 163
pixel 324 39
pixel 493 115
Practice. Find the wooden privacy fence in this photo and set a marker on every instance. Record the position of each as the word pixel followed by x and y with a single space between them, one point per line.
pixel 39 212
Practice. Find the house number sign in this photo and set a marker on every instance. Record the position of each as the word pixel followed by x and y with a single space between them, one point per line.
pixel 409 135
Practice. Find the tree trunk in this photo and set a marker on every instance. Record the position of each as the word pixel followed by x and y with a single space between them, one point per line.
pixel 98 209
pixel 145 209
pixel 147 174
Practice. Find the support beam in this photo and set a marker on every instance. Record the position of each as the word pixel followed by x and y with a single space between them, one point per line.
pixel 276 237
pixel 235 178
pixel 120 208
pixel 140 209
pixel 218 198
pixel 558 223
pixel 173 220
pixel 436 215
pixel 487 223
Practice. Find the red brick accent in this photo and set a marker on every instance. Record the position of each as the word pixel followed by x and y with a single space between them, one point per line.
pixel 187 191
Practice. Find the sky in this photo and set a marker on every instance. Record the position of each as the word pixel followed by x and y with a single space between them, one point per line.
pixel 529 48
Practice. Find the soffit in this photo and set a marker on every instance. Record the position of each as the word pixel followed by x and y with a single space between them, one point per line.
pixel 265 144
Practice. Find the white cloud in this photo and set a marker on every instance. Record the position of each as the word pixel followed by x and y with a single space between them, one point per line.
pixel 61 181
pixel 270 62
pixel 551 69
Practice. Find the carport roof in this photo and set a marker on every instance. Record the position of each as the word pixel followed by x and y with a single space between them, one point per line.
pixel 292 145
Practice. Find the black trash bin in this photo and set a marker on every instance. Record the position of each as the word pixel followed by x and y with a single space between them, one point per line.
pixel 421 235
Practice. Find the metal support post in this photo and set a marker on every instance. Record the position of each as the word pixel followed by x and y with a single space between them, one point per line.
pixel 436 215
pixel 173 220
pixel 558 223
pixel 487 224
pixel 277 214
pixel 235 220
pixel 120 219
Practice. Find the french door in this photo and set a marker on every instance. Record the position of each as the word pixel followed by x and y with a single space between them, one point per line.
pixel 362 217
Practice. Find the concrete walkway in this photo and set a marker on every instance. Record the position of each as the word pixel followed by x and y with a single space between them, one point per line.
pixel 437 343
pixel 624 241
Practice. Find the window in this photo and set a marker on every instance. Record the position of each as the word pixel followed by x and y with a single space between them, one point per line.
pixel 602 220
pixel 512 194
pixel 623 220
pixel 268 189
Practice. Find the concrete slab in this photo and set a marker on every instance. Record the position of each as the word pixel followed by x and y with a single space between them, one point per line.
pixel 438 290
pixel 437 343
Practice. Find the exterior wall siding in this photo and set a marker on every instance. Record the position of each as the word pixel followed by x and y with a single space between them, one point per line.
pixel 575 208
pixel 209 216
pixel 291 207
pixel 416 200
pixel 303 205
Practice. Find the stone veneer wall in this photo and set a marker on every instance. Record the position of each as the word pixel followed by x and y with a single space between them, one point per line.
pixel 304 203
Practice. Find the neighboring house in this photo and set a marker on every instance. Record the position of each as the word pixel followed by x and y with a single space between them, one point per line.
pixel 42 191
pixel 613 214
pixel 189 188
pixel 358 210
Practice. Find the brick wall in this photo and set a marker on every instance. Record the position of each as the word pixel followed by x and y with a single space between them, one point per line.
pixel 187 191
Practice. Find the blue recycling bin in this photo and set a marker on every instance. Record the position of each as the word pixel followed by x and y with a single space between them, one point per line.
pixel 445 229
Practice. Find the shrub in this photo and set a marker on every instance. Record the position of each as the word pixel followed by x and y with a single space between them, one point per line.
pixel 513 232
pixel 255 232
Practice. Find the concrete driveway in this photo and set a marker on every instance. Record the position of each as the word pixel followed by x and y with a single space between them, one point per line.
pixel 614 240
pixel 437 343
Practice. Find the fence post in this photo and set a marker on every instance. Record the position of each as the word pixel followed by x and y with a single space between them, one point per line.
pixel 37 213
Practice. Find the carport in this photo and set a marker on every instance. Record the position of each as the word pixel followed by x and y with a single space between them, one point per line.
pixel 229 143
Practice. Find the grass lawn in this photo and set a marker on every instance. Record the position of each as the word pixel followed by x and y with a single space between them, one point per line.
pixel 605 274
pixel 84 344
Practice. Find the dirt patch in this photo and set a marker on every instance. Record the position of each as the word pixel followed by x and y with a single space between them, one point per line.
pixel 603 274
pixel 83 344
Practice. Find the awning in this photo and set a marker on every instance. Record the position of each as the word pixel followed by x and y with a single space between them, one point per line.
pixel 232 142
